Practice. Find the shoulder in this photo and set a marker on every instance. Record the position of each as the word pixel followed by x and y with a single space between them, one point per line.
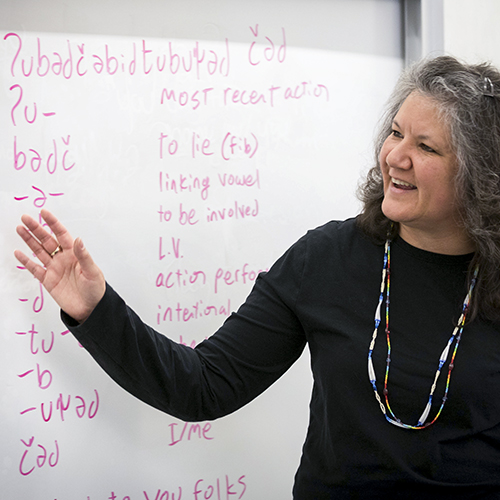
pixel 343 236
pixel 335 229
pixel 327 245
pixel 332 257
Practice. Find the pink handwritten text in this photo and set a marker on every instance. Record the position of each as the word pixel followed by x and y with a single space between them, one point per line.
pixel 31 459
pixel 184 313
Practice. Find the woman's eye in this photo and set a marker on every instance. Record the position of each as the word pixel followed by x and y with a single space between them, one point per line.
pixel 427 148
pixel 397 134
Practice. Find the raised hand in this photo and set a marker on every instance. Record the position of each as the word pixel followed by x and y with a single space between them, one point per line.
pixel 67 272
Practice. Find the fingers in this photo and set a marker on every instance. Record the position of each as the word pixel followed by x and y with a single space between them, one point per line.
pixel 33 243
pixel 60 232
pixel 48 242
pixel 36 270
pixel 42 241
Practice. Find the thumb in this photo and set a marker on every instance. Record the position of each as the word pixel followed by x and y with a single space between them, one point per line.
pixel 86 262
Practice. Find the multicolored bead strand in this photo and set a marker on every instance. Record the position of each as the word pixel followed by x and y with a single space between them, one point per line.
pixel 455 337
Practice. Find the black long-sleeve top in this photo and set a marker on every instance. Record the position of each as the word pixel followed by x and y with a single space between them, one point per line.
pixel 323 293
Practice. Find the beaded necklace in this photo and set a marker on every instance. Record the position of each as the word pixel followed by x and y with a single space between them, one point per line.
pixel 455 337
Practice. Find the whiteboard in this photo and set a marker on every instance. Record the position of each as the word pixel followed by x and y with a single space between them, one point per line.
pixel 188 155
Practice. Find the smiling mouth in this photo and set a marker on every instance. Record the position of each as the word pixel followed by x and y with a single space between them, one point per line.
pixel 402 185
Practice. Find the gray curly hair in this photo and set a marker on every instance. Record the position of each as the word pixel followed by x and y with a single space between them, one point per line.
pixel 468 98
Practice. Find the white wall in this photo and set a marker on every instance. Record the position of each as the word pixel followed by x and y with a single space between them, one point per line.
pixel 471 30
pixel 467 29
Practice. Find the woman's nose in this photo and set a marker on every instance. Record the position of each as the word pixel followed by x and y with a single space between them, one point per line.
pixel 399 156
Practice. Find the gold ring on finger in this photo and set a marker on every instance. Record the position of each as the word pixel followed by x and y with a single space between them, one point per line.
pixel 58 249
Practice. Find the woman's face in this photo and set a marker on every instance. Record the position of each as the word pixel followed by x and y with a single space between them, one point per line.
pixel 419 167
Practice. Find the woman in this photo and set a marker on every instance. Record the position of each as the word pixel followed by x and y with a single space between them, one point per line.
pixel 427 239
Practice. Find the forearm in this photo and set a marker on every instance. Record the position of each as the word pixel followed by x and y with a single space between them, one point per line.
pixel 142 361
pixel 222 374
